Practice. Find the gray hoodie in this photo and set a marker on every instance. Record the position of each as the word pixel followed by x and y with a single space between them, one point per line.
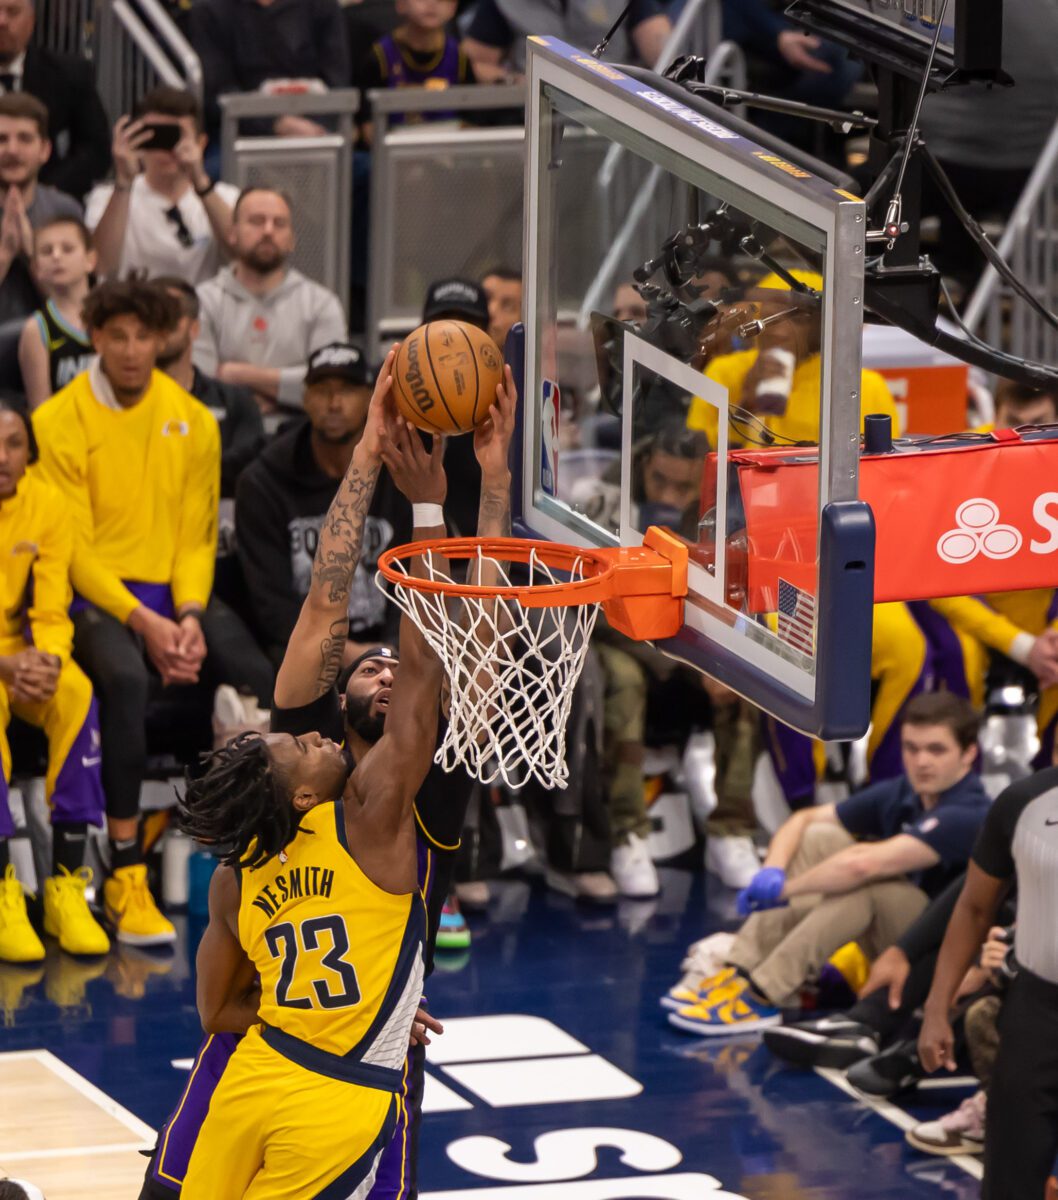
pixel 278 330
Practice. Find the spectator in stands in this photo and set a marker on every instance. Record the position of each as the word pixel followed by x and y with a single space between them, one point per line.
pixel 989 139
pixel 283 497
pixel 1018 846
pixel 629 305
pixel 420 52
pixel 41 684
pixel 246 46
pixel 241 428
pixel 162 215
pixel 138 463
pixel 261 318
pixel 819 889
pixel 27 203
pixel 54 348
pixel 503 290
pixel 787 62
pixel 495 38
pixel 77 124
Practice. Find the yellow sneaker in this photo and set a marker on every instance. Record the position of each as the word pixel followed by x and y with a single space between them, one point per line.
pixel 694 987
pixel 18 939
pixel 132 911
pixel 66 913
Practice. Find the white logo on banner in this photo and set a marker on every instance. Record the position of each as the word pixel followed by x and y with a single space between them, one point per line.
pixel 978 531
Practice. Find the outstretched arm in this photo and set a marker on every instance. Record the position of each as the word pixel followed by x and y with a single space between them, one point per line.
pixel 492 444
pixel 381 828
pixel 313 656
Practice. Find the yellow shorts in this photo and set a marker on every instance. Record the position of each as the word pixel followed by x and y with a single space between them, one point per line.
pixel 277 1131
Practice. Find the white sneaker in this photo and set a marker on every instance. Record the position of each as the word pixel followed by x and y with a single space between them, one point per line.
pixel 633 869
pixel 733 859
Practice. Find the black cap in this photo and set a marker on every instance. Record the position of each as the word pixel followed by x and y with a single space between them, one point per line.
pixel 339 360
pixel 457 298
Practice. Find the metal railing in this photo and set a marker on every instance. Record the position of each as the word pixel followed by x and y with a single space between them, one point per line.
pixel 1029 245
pixel 66 26
pixel 645 219
pixel 698 30
pixel 316 172
pixel 444 201
pixel 137 46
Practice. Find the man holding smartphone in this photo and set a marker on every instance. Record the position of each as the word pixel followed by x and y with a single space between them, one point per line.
pixel 162 215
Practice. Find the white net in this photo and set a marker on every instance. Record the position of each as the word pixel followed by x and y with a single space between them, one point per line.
pixel 511 669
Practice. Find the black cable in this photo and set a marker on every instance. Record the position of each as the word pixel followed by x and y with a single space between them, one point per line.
pixel 982 241
pixel 600 49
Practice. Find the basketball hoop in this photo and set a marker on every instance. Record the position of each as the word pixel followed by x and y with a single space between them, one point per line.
pixel 513 642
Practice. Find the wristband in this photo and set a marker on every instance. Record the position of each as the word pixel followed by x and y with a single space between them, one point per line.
pixel 425 516
pixel 202 193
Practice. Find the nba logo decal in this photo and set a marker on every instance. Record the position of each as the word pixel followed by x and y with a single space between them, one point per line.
pixel 550 401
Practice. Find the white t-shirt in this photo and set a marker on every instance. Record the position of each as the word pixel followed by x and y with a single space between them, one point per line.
pixel 152 240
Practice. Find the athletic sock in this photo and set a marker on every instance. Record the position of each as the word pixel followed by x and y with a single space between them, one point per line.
pixel 125 852
pixel 68 846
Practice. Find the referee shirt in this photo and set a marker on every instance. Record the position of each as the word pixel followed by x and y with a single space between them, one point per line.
pixel 1019 840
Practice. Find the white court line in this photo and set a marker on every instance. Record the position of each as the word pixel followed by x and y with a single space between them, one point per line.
pixel 75 1151
pixel 78 1082
pixel 895 1116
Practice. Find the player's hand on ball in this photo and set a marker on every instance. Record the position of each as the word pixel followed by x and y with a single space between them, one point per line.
pixel 492 439
pixel 418 473
pixel 381 410
pixel 423 1026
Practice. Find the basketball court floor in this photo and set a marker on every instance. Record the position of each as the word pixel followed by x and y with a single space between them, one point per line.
pixel 557 1077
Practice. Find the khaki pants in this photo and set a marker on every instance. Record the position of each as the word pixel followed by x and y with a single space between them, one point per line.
pixel 781 948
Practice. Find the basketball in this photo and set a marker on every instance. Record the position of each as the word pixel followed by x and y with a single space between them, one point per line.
pixel 445 376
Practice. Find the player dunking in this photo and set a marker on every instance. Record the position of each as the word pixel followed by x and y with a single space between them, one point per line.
pixel 306 689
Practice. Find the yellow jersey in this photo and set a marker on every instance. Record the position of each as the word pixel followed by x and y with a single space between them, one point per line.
pixel 36 544
pixel 340 960
pixel 800 421
pixel 141 487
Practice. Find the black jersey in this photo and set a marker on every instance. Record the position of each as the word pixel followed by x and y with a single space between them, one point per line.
pixel 440 806
pixel 69 350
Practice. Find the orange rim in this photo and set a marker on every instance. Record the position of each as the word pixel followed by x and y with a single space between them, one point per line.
pixel 596 587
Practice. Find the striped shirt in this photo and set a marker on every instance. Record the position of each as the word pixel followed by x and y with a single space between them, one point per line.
pixel 1019 840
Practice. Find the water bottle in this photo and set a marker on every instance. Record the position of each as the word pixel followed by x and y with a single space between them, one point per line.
pixel 200 870
pixel 176 854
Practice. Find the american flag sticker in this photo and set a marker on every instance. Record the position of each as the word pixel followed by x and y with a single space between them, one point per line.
pixel 550 405
pixel 797 617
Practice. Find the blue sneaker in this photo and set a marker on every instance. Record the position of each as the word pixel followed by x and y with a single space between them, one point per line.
pixel 729 1009
pixel 453 933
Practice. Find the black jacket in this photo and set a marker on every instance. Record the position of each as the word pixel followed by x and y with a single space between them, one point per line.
pixel 80 131
pixel 280 504
pixel 241 429
pixel 242 44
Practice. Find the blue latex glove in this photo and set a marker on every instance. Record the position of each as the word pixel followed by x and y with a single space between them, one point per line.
pixel 764 891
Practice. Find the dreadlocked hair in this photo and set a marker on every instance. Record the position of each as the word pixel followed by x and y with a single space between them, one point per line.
pixel 237 799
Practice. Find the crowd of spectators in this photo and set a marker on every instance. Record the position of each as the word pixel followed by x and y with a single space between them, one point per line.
pixel 179 372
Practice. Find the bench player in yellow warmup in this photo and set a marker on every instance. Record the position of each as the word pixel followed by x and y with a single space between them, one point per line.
pixel 318 897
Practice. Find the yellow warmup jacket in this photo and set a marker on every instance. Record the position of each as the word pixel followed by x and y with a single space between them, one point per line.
pixel 141 486
pixel 800 422
pixel 1005 621
pixel 36 544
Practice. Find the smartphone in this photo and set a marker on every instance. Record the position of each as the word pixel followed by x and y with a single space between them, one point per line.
pixel 164 135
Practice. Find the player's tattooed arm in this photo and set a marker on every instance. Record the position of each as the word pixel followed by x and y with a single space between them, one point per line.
pixel 313 656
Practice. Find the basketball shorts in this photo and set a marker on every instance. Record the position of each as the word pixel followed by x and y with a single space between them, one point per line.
pixel 276 1130
pixel 395 1179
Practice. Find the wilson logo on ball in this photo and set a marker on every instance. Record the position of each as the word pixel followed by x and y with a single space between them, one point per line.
pixel 413 377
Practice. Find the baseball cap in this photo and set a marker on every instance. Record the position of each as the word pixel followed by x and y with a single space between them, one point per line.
pixel 457 298
pixel 339 360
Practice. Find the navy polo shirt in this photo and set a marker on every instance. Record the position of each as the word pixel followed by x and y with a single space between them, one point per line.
pixel 950 828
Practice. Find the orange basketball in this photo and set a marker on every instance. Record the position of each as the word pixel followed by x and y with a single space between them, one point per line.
pixel 445 376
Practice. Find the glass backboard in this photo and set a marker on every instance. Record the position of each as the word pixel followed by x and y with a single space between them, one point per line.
pixel 692 298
